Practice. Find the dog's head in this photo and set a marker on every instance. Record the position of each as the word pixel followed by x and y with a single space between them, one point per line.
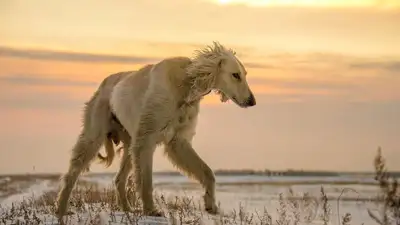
pixel 217 68
pixel 231 83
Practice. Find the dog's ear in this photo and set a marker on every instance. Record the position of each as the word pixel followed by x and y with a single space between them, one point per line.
pixel 222 96
pixel 220 64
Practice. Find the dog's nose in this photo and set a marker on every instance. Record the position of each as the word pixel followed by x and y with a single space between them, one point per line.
pixel 251 101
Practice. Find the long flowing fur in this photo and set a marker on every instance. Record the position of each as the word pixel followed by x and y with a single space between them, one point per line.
pixel 204 66
pixel 157 104
pixel 201 76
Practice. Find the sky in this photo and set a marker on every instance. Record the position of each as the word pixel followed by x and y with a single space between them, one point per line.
pixel 326 76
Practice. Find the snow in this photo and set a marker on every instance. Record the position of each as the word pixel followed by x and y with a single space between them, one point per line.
pixel 238 179
pixel 102 182
pixel 101 218
pixel 4 180
pixel 231 196
pixel 36 190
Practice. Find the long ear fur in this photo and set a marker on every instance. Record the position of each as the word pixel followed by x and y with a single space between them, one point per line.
pixel 206 65
pixel 221 94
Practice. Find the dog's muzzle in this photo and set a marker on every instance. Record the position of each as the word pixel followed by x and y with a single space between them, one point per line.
pixel 251 101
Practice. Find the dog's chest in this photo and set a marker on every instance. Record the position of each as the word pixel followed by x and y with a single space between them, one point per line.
pixel 183 123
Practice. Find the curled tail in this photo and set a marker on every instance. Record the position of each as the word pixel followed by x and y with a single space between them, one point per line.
pixel 110 153
pixel 113 136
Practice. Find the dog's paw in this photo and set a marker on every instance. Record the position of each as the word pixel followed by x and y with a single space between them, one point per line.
pixel 126 208
pixel 213 210
pixel 154 212
pixel 209 204
pixel 61 214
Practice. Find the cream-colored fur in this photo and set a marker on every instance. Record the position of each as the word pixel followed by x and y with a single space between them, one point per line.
pixel 158 104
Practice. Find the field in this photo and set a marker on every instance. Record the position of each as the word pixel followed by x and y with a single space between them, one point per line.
pixel 246 199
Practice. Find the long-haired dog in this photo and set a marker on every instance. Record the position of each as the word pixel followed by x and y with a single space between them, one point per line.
pixel 157 104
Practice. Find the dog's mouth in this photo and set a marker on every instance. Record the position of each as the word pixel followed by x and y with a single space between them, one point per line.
pixel 238 103
pixel 224 98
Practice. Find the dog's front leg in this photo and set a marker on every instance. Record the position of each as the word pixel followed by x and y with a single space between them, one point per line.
pixel 184 157
pixel 155 115
pixel 143 151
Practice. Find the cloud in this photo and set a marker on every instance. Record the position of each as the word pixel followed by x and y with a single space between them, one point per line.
pixel 72 56
pixel 303 83
pixel 392 66
pixel 329 62
pixel 101 58
pixel 330 77
pixel 40 101
pixel 255 65
pixel 35 79
pixel 34 91
pixel 276 78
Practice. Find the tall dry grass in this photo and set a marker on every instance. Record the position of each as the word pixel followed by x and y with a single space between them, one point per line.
pixel 389 194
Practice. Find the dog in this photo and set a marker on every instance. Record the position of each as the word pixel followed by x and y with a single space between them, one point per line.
pixel 155 105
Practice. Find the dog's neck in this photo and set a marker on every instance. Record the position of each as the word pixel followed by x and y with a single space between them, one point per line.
pixel 193 93
pixel 194 85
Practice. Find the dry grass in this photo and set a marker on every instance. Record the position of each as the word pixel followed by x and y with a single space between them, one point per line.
pixel 293 208
pixel 390 194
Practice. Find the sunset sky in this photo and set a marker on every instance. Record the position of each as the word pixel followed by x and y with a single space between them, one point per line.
pixel 326 75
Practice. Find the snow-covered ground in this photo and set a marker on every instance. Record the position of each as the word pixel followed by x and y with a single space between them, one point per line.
pixel 233 193
pixel 4 180
pixel 35 190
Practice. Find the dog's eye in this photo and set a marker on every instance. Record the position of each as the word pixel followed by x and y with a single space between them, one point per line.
pixel 236 76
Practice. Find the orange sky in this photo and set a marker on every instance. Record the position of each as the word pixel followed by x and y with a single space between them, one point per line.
pixel 325 74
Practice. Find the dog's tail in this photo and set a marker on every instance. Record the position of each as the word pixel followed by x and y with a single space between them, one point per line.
pixel 110 152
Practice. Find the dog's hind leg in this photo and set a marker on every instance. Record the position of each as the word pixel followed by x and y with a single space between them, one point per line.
pixel 93 134
pixel 83 152
pixel 123 173
pixel 183 156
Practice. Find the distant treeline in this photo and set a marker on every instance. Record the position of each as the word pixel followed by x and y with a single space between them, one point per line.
pixel 297 173
pixel 242 172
